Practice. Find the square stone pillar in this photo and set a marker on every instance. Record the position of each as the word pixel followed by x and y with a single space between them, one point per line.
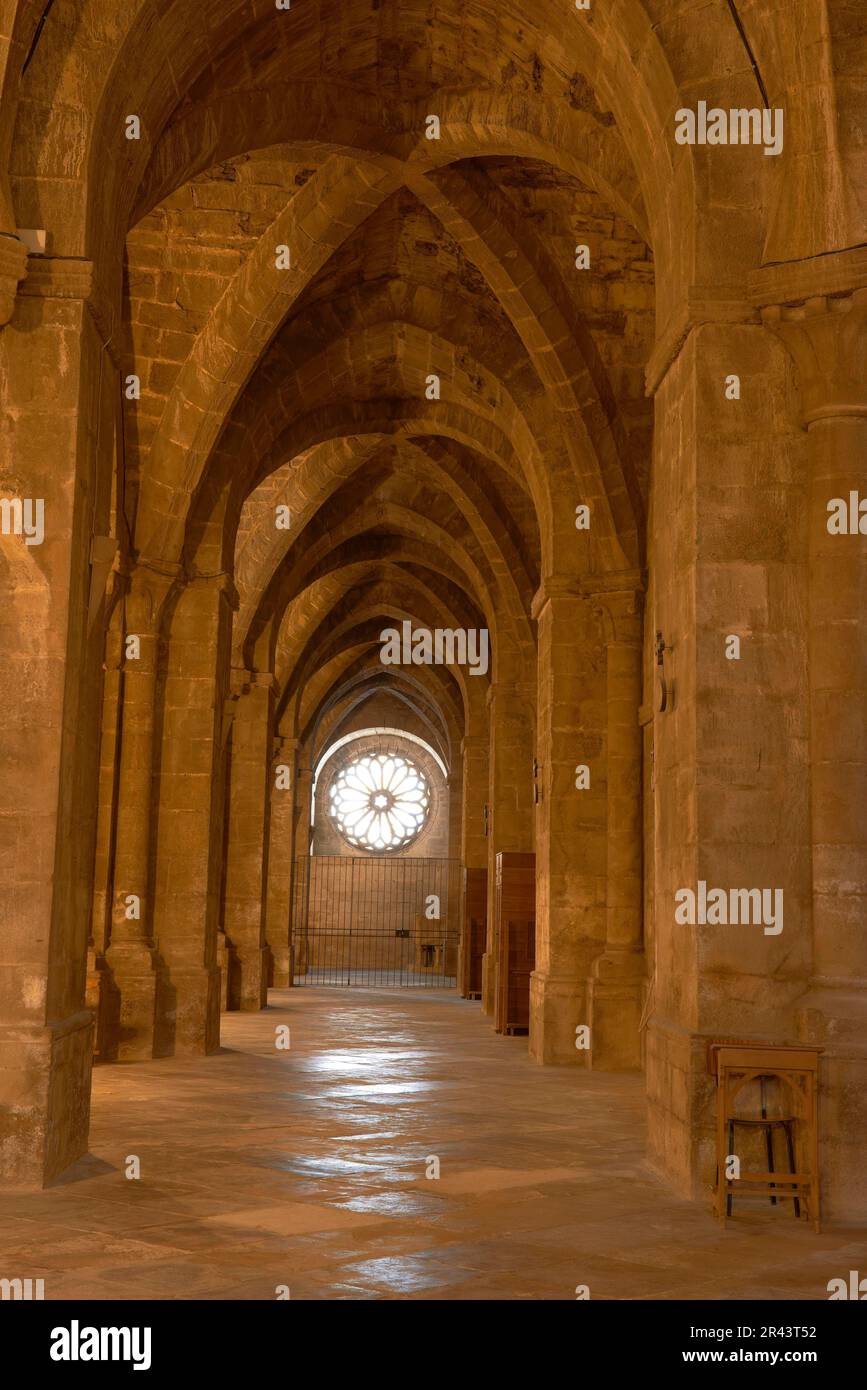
pixel 56 409
pixel 102 996
pixel 827 339
pixel 136 971
pixel 247 845
pixel 281 859
pixel 510 798
pixel 474 849
pixel 190 795
pixel 570 821
pixel 617 980
pixel 731 795
pixel 298 939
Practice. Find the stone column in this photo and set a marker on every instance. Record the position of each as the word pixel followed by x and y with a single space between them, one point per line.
pixel 102 997
pixel 730 776
pixel 455 787
pixel 474 848
pixel 225 955
pixel 281 859
pixel 828 341
pixel 56 389
pixel 617 978
pixel 190 789
pixel 247 850
pixel 131 956
pixel 510 803
pixel 570 822
pixel 301 851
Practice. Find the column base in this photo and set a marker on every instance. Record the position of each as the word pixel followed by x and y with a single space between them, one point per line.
pixel 681 1100
pixel 681 1109
pixel 615 993
pixel 248 979
pixel 103 997
pixel 281 974
pixel 188 1024
pixel 44 1099
pixel 138 976
pixel 837 1021
pixel 558 1005
pixel 224 965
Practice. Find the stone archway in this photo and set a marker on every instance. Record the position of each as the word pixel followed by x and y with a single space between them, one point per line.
pixel 293 371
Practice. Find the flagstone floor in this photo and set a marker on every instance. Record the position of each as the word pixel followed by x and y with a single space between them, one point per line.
pixel 266 1169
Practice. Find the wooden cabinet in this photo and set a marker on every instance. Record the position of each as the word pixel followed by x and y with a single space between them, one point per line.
pixel 515 940
pixel 473 931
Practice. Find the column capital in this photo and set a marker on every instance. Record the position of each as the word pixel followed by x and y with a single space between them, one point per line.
pixel 794 282
pixel 474 743
pixel 697 306
pixel 146 594
pixel 222 583
pixel 71 278
pixel 614 582
pixel 284 747
pixel 827 338
pixel 622 614
pixel 59 277
pixel 13 269
pixel 587 586
pixel 242 681
pixel 554 586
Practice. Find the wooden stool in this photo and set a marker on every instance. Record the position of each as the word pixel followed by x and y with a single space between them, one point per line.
pixel 737 1064
pixel 785 1124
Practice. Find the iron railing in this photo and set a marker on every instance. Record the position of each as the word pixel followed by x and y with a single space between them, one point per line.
pixel 375 921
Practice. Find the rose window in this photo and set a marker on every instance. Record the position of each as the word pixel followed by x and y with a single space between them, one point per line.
pixel 380 801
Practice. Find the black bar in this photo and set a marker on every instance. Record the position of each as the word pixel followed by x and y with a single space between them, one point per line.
pixel 609 1335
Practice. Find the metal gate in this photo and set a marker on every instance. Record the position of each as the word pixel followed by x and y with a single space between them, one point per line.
pixel 375 921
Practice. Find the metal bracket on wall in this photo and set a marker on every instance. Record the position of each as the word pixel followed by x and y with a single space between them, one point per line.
pixel 662 687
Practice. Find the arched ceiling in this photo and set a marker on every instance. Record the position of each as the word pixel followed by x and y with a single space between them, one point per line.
pixel 410 257
pixel 311 389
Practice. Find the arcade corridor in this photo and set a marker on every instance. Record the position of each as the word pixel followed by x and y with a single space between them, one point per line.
pixel 433 658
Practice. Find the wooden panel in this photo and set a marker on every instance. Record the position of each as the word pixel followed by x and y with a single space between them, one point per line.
pixel 519 950
pixel 514 945
pixel 475 913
